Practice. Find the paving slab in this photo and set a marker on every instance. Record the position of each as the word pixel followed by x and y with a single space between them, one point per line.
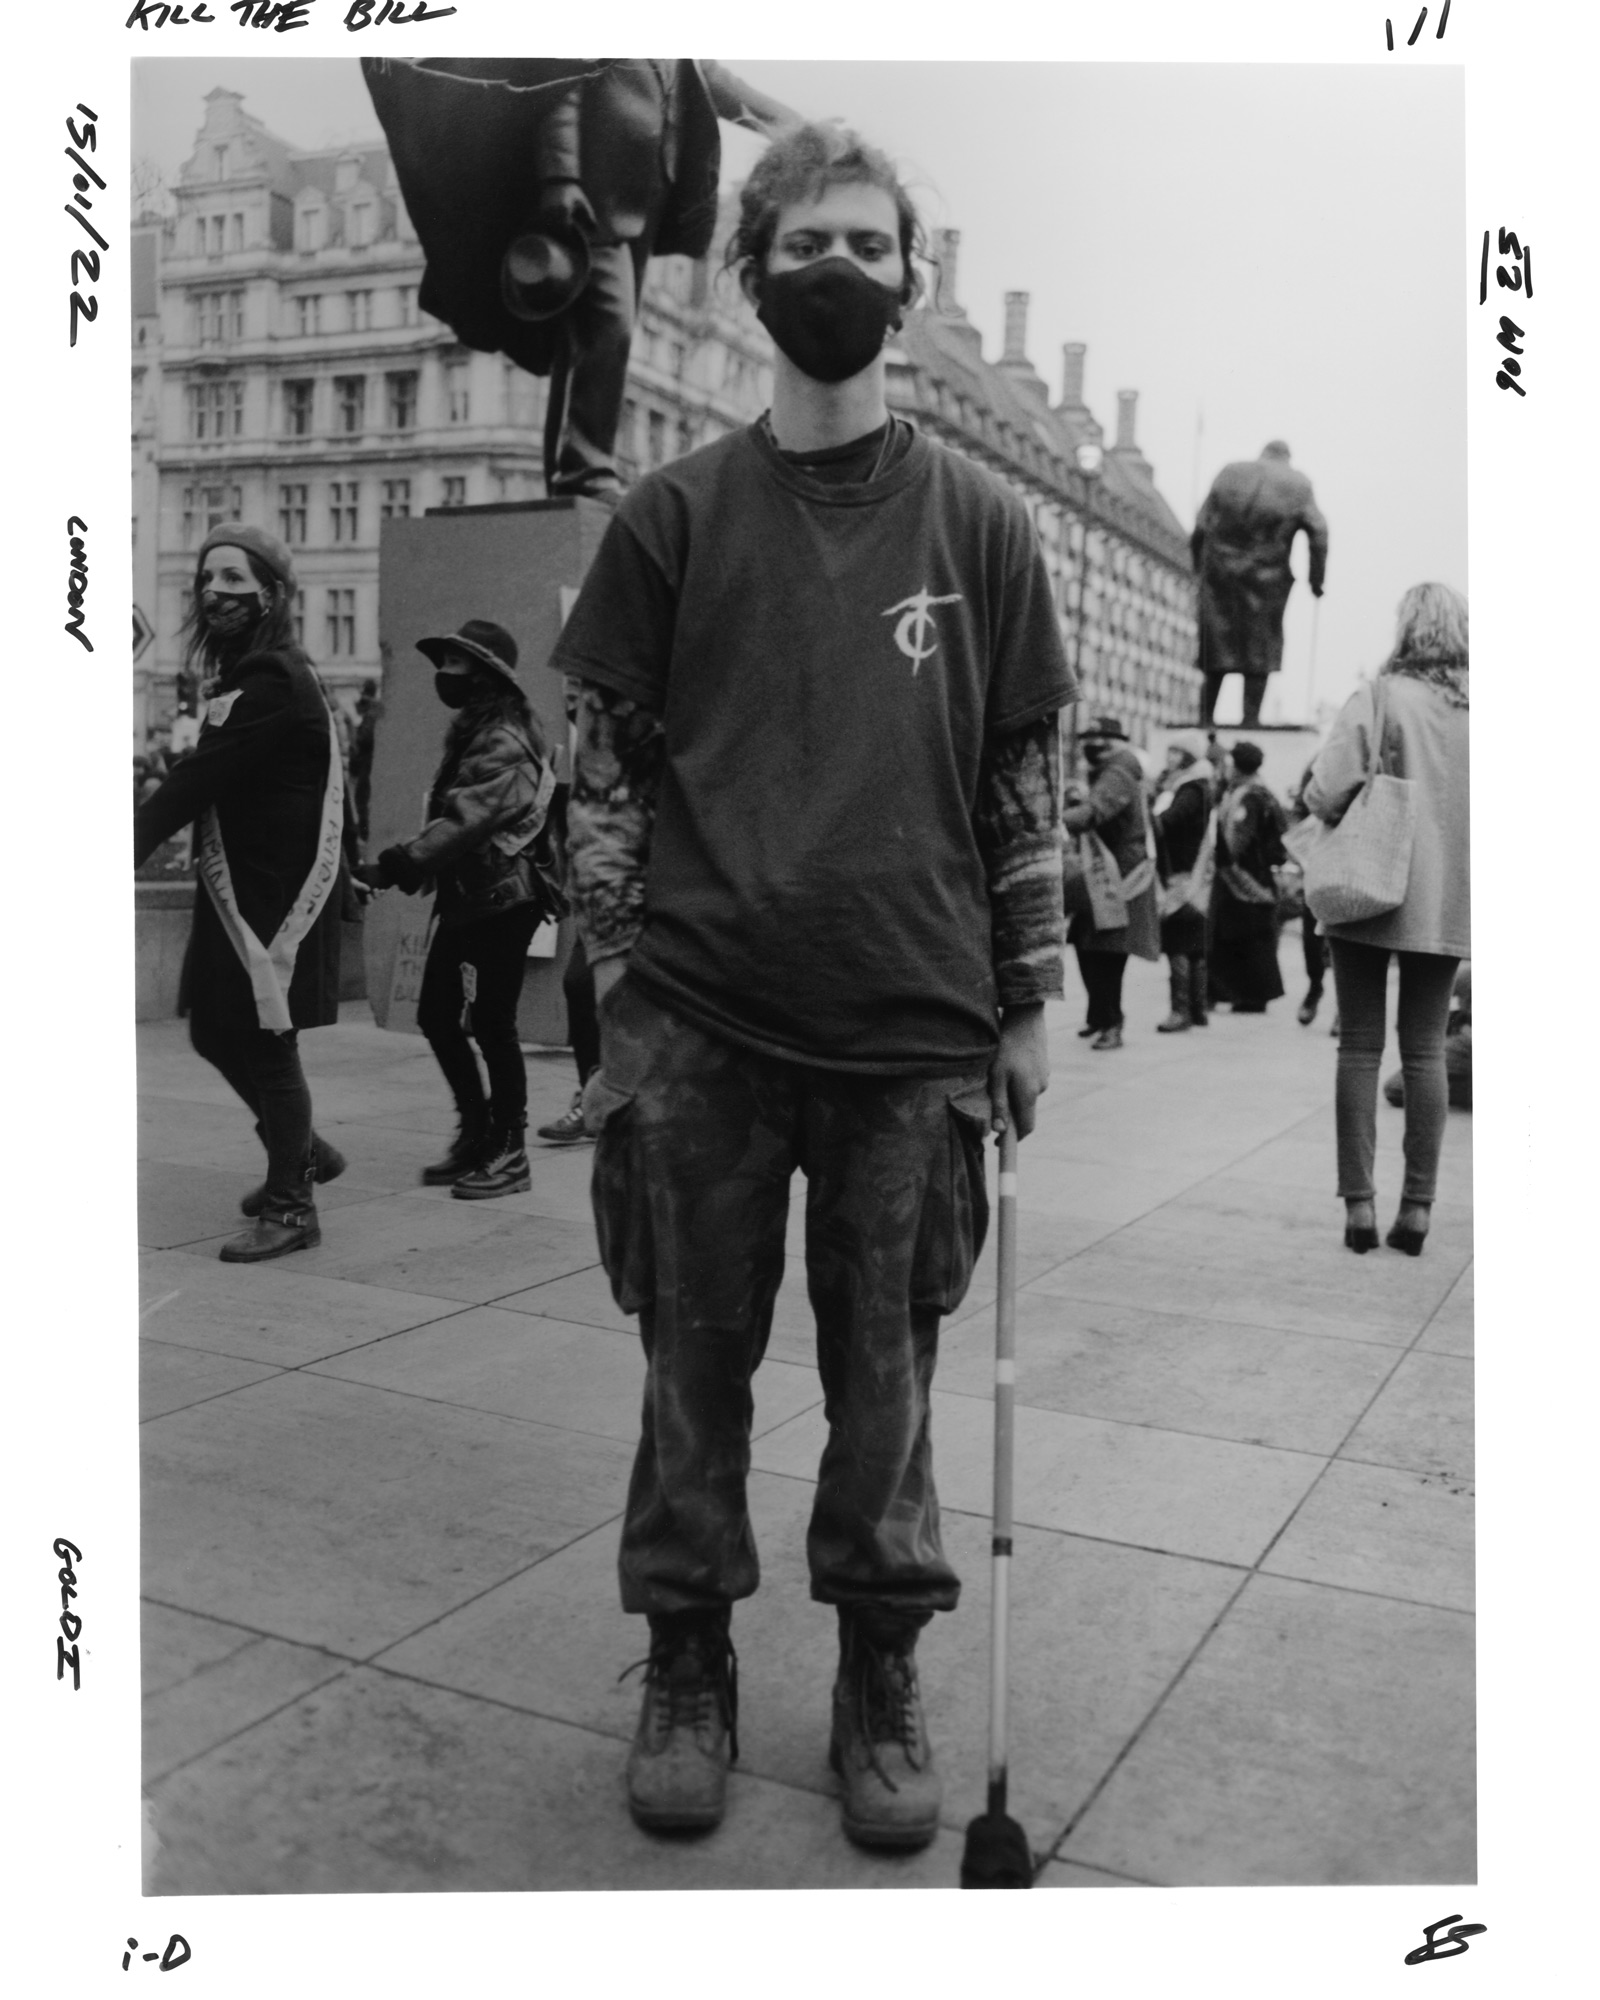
pixel 1072 1875
pixel 1099 1632
pixel 339 1515
pixel 1450 1331
pixel 1421 1419
pixel 171 1378
pixel 374 1783
pixel 1321 1736
pixel 1154 1489
pixel 1257 1385
pixel 204 1682
pixel 580 1378
pixel 275 1313
pixel 1379 1528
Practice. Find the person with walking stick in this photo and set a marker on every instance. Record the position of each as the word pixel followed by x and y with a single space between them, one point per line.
pixel 815 856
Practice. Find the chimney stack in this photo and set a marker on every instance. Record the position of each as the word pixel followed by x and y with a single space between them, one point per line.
pixel 1072 358
pixel 1016 348
pixel 1127 409
pixel 947 249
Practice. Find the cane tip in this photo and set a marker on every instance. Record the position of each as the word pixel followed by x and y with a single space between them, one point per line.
pixel 997 1855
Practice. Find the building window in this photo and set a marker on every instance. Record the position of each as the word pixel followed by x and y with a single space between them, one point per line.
pixel 408 305
pixel 344 511
pixel 219 155
pixel 360 311
pixel 458 398
pixel 214 235
pixel 360 231
pixel 235 232
pixel 455 491
pixel 310 228
pixel 658 438
pixel 207 507
pixel 350 393
pixel 207 318
pixel 297 408
pixel 341 624
pixel 401 398
pixel 292 513
pixel 308 312
pixel 397 499
pixel 216 409
pixel 236 315
pixel 299 622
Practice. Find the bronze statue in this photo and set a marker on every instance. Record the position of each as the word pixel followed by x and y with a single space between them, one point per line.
pixel 539 188
pixel 1241 542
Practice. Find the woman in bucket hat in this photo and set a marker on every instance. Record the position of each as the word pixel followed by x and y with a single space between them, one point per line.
pixel 481 852
pixel 265 787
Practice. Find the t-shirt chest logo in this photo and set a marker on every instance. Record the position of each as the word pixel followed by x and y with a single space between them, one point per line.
pixel 916 635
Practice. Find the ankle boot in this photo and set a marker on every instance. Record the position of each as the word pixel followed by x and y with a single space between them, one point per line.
pixel 288 1221
pixel 880 1749
pixel 328 1163
pixel 1178 1020
pixel 468 1148
pixel 1197 993
pixel 504 1169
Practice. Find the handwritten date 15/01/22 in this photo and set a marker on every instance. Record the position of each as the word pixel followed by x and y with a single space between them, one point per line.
pixel 84 304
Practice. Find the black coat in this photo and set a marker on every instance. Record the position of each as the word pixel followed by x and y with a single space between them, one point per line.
pixel 1180 828
pixel 263 763
pixel 1241 542
pixel 474 139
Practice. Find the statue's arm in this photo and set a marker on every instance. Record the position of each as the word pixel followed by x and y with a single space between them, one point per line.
pixel 737 102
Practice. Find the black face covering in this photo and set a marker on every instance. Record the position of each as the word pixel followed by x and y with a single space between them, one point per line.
pixel 829 317
pixel 453 690
pixel 230 613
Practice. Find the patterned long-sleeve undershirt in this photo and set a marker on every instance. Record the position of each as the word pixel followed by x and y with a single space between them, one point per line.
pixel 617 781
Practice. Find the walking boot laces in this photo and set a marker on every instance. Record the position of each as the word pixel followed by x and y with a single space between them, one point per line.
pixel 689 1699
pixel 886 1703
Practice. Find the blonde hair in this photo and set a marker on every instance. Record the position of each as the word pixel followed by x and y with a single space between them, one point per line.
pixel 1430 628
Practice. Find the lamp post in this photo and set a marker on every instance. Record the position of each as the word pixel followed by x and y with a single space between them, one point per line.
pixel 1090 461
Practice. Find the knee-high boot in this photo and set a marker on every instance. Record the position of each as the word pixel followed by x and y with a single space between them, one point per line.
pixel 1178 1019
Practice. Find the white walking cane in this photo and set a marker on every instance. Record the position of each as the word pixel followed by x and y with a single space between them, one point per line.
pixel 1311 675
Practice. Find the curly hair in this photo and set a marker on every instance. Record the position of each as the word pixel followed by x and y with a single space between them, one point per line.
pixel 801 163
pixel 1430 641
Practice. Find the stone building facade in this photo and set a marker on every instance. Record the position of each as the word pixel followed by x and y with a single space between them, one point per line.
pixel 283 374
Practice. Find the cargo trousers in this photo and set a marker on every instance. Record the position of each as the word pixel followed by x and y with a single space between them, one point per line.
pixel 698 1141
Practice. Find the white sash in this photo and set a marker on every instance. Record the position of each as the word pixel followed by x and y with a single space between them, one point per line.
pixel 271 967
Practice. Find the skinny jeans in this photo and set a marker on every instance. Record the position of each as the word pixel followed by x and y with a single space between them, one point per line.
pixel 470 988
pixel 1360 982
pixel 263 1067
pixel 1101 972
pixel 699 1140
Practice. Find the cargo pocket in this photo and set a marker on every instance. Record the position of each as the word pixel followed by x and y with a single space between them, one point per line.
pixel 621 1207
pixel 955 1209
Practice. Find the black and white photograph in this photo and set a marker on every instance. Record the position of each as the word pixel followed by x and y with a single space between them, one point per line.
pixel 792 1158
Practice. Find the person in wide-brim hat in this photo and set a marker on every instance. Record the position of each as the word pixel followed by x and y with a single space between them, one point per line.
pixel 480 640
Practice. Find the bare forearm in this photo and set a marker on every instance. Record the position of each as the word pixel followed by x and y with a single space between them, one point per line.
pixel 616 781
pixel 1019 833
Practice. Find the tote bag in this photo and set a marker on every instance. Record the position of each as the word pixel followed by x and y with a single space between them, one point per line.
pixel 1359 868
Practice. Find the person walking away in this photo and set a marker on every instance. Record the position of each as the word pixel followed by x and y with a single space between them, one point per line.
pixel 1313 945
pixel 1182 813
pixel 1241 542
pixel 264 786
pixel 1114 812
pixel 816 866
pixel 1244 906
pixel 480 852
pixel 1425 731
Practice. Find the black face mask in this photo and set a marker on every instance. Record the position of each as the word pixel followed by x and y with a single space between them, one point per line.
pixel 228 613
pixel 829 317
pixel 454 690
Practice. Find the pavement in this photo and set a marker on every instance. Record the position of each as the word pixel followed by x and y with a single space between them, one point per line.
pixel 382 1484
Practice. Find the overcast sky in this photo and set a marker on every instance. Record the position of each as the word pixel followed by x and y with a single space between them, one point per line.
pixel 1272 252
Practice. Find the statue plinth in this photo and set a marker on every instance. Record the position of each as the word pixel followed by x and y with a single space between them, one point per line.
pixel 511 563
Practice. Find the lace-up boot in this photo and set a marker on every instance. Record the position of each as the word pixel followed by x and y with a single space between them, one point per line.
pixel 503 1168
pixel 687 1734
pixel 467 1149
pixel 880 1747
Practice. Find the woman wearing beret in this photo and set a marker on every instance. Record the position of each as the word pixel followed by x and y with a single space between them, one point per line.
pixel 264 785
pixel 1114 810
pixel 1425 710
pixel 483 854
pixel 1244 901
